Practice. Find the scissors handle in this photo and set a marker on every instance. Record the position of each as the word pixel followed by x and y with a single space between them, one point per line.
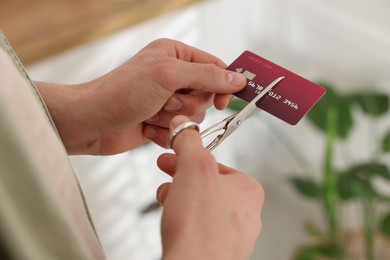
pixel 217 127
pixel 221 126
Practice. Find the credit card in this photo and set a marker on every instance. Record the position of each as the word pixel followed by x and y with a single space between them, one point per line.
pixel 289 100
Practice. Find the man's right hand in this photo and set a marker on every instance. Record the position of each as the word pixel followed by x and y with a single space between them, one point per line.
pixel 210 211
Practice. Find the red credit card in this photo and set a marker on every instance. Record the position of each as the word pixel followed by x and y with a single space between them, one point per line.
pixel 289 100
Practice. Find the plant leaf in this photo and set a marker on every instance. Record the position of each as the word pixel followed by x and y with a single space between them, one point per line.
pixel 367 171
pixel 314 231
pixel 385 225
pixel 351 187
pixel 372 104
pixel 332 100
pixel 307 187
pixel 237 104
pixel 386 143
pixel 356 182
pixel 314 252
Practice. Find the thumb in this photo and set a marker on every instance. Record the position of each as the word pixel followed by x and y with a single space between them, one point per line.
pixel 209 78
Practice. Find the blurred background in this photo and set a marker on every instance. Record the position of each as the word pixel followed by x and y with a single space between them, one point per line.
pixel 344 43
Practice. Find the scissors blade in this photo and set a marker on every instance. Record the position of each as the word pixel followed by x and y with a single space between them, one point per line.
pixel 248 109
pixel 231 123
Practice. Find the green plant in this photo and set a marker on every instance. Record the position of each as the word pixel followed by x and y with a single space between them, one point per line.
pixel 334 116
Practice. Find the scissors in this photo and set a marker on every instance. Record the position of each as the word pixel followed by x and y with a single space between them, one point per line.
pixel 231 123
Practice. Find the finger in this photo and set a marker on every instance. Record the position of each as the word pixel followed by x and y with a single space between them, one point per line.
pixel 156 134
pixel 189 104
pixel 188 53
pixel 158 131
pixel 223 169
pixel 162 192
pixel 187 140
pixel 163 118
pixel 221 101
pixel 167 163
pixel 204 77
pixel 193 158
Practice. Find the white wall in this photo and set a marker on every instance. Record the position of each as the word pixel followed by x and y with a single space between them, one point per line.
pixel 346 42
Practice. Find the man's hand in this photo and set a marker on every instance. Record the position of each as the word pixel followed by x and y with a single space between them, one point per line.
pixel 136 101
pixel 210 211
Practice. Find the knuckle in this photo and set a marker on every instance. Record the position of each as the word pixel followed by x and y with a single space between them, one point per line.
pixel 254 190
pixel 258 191
pixel 200 117
pixel 212 73
pixel 192 109
pixel 205 161
pixel 211 70
pixel 164 68
pixel 161 42
pixel 196 105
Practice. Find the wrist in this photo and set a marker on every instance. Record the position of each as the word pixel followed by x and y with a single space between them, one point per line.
pixel 192 250
pixel 200 255
pixel 69 105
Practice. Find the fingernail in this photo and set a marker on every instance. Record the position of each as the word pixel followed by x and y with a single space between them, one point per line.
pixel 158 196
pixel 173 104
pixel 235 79
pixel 150 132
